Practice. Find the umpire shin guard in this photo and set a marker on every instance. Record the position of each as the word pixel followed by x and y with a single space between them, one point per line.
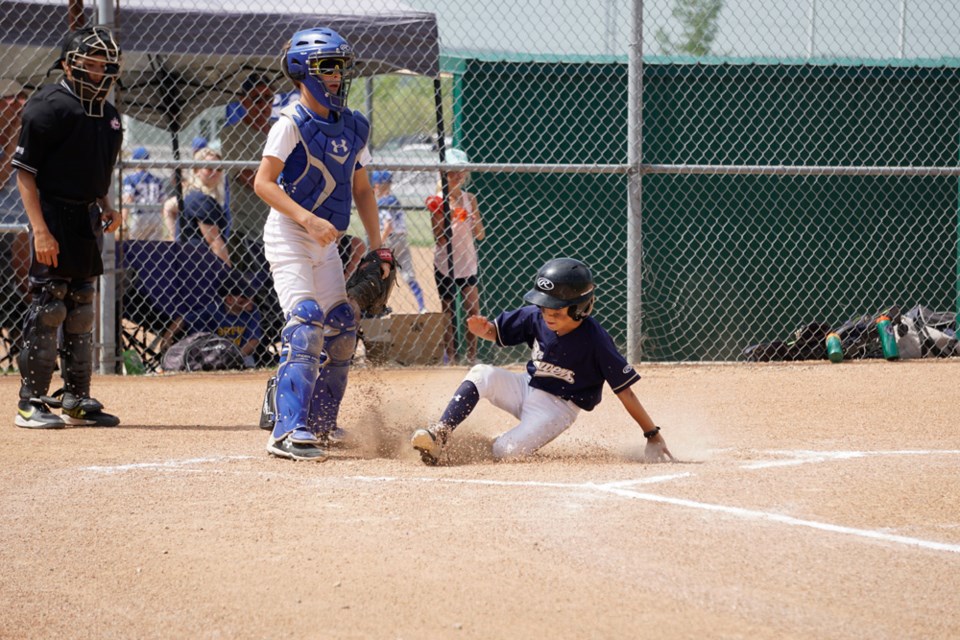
pixel 38 357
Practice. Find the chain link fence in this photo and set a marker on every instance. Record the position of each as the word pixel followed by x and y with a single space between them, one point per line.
pixel 730 169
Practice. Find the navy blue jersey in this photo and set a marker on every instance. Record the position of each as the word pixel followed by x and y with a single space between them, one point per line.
pixel 573 366
pixel 238 328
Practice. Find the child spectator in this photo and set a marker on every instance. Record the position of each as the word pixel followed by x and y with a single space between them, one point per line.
pixel 393 231
pixel 143 188
pixel 233 316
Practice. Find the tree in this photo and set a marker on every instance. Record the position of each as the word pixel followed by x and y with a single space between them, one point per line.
pixel 698 22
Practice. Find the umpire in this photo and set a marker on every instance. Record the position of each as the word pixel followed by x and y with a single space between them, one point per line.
pixel 70 138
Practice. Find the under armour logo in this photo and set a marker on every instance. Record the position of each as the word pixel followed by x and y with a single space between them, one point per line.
pixel 339 146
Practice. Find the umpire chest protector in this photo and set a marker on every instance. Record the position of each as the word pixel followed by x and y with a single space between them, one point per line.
pixel 318 174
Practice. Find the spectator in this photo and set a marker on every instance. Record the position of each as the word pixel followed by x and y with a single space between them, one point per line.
pixel 204 218
pixel 393 231
pixel 234 317
pixel 15 247
pixel 12 99
pixel 143 188
pixel 244 140
pixel 466 226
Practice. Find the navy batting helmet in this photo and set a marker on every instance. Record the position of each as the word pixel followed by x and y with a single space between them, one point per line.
pixel 563 283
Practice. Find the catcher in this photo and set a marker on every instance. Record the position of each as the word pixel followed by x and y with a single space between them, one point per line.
pixel 311 174
pixel 368 291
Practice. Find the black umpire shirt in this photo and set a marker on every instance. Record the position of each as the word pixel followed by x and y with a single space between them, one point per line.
pixel 71 154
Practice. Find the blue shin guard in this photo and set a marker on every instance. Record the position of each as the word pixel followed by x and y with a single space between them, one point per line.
pixel 340 340
pixel 302 345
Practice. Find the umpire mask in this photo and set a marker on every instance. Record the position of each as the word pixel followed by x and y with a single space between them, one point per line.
pixel 91 60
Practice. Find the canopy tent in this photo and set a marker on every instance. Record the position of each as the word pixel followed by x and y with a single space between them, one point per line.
pixel 181 57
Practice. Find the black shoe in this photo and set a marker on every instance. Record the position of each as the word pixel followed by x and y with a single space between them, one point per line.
pixel 35 414
pixel 286 447
pixel 84 412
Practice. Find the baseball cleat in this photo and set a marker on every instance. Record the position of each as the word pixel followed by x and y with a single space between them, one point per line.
pixel 333 437
pixel 34 414
pixel 429 442
pixel 290 448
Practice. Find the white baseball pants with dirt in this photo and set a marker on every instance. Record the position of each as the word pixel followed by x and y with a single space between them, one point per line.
pixel 543 416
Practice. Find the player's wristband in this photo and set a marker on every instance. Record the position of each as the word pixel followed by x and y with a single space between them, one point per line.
pixel 651 433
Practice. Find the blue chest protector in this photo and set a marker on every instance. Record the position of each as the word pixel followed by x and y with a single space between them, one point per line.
pixel 318 174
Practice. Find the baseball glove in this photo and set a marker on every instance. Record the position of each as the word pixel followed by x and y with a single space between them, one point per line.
pixel 368 288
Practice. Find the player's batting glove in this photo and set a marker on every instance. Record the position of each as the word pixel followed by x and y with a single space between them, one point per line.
pixel 370 285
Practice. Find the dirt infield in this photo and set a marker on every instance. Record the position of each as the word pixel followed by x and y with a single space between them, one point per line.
pixel 814 501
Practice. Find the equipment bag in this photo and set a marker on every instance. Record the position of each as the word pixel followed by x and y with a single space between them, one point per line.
pixel 203 352
pixel 923 333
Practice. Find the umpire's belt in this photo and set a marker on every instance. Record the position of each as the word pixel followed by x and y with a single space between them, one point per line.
pixel 66 202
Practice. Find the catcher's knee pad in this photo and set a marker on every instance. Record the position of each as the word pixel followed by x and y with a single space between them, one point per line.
pixel 303 334
pixel 340 333
pixel 38 357
pixel 302 345
pixel 79 304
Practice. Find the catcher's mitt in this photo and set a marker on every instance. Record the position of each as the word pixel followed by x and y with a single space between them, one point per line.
pixel 368 288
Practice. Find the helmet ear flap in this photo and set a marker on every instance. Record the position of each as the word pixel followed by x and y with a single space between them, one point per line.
pixel 293 69
pixel 580 311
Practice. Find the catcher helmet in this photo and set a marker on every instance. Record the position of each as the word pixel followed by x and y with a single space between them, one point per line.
pixel 563 283
pixel 315 53
pixel 82 54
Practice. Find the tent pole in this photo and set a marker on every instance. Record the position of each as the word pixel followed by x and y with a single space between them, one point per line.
pixel 444 186
pixel 109 318
pixel 368 85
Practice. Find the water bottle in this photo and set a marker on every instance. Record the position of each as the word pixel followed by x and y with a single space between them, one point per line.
pixel 888 341
pixel 834 348
pixel 132 363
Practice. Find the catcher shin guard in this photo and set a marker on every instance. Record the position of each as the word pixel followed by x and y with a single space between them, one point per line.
pixel 38 357
pixel 339 343
pixel 302 339
pixel 76 353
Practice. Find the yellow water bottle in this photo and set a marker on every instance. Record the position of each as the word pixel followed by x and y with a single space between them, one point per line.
pixel 834 348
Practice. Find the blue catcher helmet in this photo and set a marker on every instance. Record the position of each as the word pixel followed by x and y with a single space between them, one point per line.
pixel 318 53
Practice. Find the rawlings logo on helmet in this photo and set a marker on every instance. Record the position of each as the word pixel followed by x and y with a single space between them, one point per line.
pixel 544 284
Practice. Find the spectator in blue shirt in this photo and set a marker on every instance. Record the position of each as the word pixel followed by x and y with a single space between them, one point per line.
pixel 234 316
pixel 204 217
pixel 143 188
